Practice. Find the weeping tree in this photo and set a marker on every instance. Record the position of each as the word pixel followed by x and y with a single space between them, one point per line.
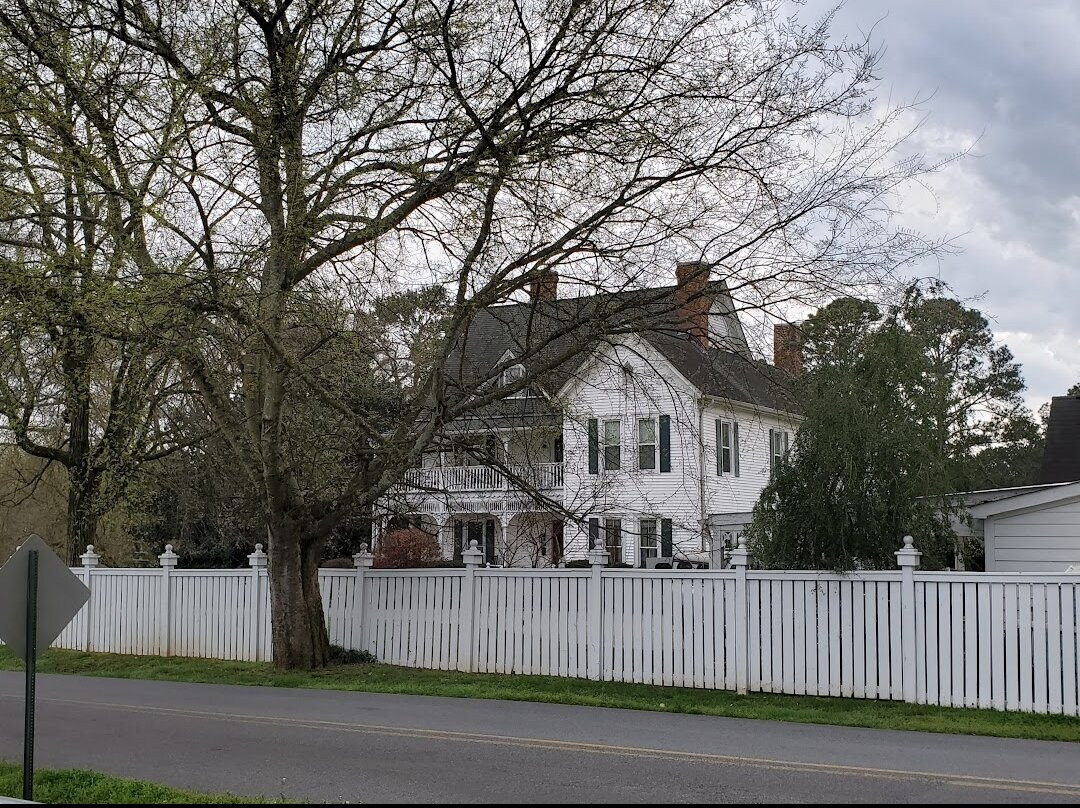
pixel 358 149
pixel 902 405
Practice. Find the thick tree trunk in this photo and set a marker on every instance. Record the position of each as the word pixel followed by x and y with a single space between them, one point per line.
pixel 82 521
pixel 298 626
pixel 81 517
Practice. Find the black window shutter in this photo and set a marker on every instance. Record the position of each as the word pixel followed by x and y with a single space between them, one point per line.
pixel 735 445
pixel 489 543
pixel 719 447
pixel 665 443
pixel 594 447
pixel 594 532
pixel 665 538
pixel 772 450
pixel 458 538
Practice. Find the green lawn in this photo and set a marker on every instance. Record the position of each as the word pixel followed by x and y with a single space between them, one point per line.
pixel 379 678
pixel 74 786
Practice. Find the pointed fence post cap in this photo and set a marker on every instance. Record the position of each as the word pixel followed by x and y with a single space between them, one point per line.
pixel 90 558
pixel 908 556
pixel 258 558
pixel 363 559
pixel 168 558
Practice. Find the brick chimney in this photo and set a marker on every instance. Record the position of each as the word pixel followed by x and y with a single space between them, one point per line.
pixel 692 302
pixel 788 348
pixel 546 287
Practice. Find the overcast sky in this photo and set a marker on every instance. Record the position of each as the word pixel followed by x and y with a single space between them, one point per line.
pixel 1003 75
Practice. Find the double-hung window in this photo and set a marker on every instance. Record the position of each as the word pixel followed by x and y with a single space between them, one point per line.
pixel 727 447
pixel 778 447
pixel 612 445
pixel 613 539
pixel 646 440
pixel 648 538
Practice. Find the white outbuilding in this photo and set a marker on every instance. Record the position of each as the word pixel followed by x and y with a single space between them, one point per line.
pixel 1032 529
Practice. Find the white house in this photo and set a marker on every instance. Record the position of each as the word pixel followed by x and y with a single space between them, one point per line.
pixel 659 440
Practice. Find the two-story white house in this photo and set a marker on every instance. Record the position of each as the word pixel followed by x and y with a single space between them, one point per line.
pixel 657 440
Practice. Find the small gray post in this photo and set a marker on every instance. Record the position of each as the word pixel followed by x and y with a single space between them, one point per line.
pixel 716 553
pixel 167 560
pixel 473 558
pixel 598 559
pixel 740 560
pixel 362 562
pixel 907 558
pixel 90 559
pixel 257 562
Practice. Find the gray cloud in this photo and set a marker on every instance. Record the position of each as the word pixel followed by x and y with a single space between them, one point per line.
pixel 1006 73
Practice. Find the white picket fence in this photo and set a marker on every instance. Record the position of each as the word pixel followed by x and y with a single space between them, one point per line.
pixel 989 640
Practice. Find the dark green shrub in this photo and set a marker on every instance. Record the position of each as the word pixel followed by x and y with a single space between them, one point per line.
pixel 350 656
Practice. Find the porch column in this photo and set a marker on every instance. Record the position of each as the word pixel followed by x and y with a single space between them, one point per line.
pixel 444 533
pixel 506 555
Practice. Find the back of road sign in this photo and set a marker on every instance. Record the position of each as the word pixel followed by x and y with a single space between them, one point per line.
pixel 60 596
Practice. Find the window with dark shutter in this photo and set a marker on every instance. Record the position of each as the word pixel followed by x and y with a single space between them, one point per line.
pixel 665 443
pixel 724 448
pixel 594 532
pixel 612 448
pixel 613 539
pixel 665 538
pixel 646 428
pixel 647 545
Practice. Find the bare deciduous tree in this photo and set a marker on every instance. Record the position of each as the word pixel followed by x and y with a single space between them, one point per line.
pixel 357 148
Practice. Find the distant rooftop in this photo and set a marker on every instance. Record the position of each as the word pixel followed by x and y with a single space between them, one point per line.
pixel 1061 457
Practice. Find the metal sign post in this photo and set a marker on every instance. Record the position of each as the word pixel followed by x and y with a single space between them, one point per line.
pixel 38 597
pixel 31 675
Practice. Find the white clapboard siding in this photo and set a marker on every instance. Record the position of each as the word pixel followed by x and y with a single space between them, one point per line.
pixel 999 640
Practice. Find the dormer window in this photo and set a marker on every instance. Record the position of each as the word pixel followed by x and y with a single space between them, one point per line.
pixel 512 374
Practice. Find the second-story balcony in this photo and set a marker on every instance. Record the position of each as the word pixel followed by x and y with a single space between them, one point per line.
pixel 439 479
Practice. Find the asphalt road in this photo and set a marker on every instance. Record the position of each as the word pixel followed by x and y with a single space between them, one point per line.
pixel 365 747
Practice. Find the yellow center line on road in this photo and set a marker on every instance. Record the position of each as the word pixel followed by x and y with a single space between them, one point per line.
pixel 965 780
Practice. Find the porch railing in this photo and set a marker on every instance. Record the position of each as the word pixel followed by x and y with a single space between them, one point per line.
pixel 542 476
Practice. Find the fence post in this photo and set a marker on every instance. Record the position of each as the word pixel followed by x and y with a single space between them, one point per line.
pixel 907 557
pixel 740 560
pixel 598 559
pixel 90 560
pixel 362 562
pixel 472 558
pixel 168 564
pixel 257 562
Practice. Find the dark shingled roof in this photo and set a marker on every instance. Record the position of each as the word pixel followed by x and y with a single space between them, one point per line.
pixel 726 374
pixel 1061 457
pixel 561 333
